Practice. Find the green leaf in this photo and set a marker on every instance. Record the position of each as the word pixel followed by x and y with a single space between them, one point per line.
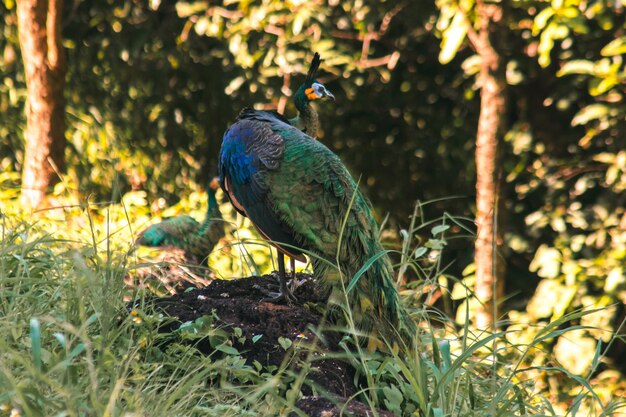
pixel 202 25
pixel 564 302
pixel 541 20
pixel 576 351
pixel 590 112
pixel 463 288
pixel 393 398
pixel 436 244
pixel 234 85
pixel 419 251
pixel 35 342
pixel 603 86
pixel 547 262
pixel 298 21
pixel 60 337
pixel 569 12
pixel 256 338
pixel 187 326
pixel 439 229
pixel 78 349
pixel 541 305
pixel 615 47
pixel 471 66
pixel 444 347
pixel 184 9
pixel 577 66
pixel 546 41
pixel 284 342
pixel 227 349
pixel 472 393
pixel 453 38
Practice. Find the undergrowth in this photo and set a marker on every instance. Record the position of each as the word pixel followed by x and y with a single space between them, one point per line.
pixel 71 347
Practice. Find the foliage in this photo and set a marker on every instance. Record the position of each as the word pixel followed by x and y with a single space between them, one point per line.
pixel 73 346
pixel 564 164
pixel 579 229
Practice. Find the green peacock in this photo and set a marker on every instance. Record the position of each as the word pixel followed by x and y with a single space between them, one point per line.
pixel 184 232
pixel 302 199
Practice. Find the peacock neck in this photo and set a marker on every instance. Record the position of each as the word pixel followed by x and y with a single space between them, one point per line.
pixel 203 240
pixel 211 214
pixel 307 119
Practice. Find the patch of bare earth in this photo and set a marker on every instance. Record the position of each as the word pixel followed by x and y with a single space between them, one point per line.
pixel 239 303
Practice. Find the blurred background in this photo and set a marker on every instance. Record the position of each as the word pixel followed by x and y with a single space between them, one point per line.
pixel 152 85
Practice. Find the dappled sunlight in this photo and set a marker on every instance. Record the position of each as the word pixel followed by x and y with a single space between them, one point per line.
pixel 485 138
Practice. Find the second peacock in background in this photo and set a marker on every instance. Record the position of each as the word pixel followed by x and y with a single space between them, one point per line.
pixel 184 232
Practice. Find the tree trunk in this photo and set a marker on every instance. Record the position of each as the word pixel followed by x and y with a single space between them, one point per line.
pixel 39 25
pixel 491 127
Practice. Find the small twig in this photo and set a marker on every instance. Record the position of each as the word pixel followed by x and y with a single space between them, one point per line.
pixel 228 14
pixel 274 30
pixel 389 60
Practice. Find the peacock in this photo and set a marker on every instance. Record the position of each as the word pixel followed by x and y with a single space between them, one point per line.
pixel 302 199
pixel 184 232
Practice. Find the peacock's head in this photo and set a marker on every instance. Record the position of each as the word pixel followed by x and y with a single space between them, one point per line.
pixel 214 184
pixel 312 89
pixel 317 91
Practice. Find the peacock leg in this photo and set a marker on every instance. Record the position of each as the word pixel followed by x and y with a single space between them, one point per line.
pixel 284 293
pixel 294 280
pixel 284 289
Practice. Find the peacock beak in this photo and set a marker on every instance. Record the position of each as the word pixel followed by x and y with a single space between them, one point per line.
pixel 330 95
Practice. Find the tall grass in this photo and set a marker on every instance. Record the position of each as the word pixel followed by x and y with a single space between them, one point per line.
pixel 70 347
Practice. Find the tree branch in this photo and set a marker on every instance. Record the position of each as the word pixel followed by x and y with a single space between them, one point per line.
pixel 54 17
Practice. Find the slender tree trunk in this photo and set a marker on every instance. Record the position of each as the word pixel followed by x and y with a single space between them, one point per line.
pixel 39 25
pixel 491 127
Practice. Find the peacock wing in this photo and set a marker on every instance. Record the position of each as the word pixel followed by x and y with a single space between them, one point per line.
pixel 314 194
pixel 251 150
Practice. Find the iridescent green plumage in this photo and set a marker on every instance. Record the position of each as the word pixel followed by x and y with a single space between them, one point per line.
pixel 184 232
pixel 302 198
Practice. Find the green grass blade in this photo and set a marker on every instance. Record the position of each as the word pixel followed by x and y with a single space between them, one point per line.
pixel 35 342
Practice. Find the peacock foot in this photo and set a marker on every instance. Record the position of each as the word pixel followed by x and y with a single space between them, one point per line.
pixel 277 297
pixel 284 294
pixel 295 283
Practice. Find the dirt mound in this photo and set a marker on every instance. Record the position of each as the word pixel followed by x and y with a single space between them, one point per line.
pixel 238 303
pixel 266 326
pixel 323 407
